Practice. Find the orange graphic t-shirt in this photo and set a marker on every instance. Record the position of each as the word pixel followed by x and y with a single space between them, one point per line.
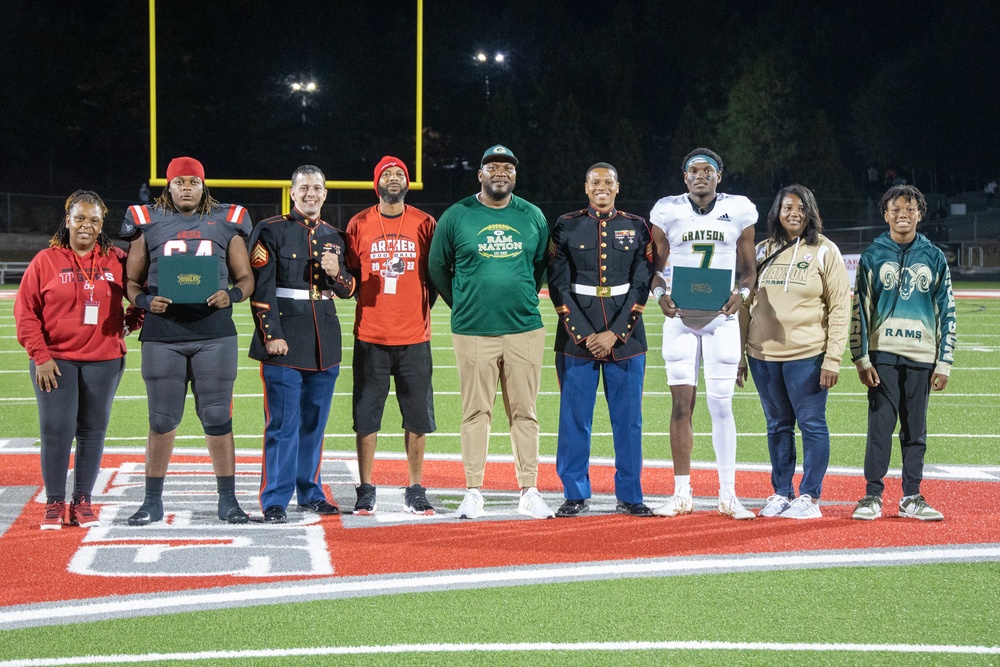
pixel 389 256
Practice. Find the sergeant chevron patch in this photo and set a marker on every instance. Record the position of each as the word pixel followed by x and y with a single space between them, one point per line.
pixel 258 256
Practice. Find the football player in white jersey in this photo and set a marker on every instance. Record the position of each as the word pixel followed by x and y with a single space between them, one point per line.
pixel 706 229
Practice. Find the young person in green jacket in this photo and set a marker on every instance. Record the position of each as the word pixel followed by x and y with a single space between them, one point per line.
pixel 902 341
pixel 487 260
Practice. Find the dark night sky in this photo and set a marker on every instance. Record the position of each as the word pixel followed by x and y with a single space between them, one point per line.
pixel 912 84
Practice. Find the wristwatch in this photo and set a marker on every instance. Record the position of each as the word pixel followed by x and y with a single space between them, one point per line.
pixel 659 293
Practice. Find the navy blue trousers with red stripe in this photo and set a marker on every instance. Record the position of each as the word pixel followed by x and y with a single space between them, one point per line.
pixel 296 407
pixel 578 396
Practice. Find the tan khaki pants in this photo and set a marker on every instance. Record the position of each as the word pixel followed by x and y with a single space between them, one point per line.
pixel 516 361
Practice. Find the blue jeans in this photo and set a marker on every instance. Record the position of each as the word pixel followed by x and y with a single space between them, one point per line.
pixel 790 392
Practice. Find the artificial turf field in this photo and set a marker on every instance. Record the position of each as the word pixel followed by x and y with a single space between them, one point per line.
pixel 924 610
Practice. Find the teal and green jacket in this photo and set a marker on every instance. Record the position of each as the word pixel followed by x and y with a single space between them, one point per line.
pixel 903 304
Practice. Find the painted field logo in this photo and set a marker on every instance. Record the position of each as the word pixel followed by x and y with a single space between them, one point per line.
pixel 191 553
pixel 498 242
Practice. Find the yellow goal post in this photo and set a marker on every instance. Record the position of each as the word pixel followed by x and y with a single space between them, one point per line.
pixel 285 186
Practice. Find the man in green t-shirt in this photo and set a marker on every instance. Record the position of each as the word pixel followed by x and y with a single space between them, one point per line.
pixel 487 261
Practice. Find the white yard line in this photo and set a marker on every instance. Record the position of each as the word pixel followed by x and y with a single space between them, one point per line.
pixel 537 647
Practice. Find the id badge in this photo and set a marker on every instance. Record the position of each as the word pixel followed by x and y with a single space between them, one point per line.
pixel 90 309
pixel 389 287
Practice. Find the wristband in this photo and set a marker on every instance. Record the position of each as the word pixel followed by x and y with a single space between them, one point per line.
pixel 235 295
pixel 143 301
pixel 659 293
pixel 744 293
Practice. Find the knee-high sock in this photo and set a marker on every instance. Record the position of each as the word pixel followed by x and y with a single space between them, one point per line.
pixel 720 406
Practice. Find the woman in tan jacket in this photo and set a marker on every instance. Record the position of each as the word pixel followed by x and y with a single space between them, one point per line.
pixel 795 339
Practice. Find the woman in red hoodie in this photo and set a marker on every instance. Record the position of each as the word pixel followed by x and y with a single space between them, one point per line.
pixel 71 321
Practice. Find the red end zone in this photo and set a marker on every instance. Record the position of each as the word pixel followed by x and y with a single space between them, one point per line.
pixel 40 560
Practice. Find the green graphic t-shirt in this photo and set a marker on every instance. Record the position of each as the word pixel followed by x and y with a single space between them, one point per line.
pixel 488 264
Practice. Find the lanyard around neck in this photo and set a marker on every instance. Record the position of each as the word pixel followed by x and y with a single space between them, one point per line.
pixel 90 280
pixel 399 228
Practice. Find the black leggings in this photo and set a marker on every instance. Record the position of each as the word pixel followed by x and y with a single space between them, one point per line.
pixel 80 408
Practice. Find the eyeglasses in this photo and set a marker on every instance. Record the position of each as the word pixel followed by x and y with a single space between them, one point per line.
pixel 496 167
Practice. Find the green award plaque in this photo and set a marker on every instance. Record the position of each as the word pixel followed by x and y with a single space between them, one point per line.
pixel 701 289
pixel 187 278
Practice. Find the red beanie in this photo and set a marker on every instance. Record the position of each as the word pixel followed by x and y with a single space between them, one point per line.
pixel 185 166
pixel 385 163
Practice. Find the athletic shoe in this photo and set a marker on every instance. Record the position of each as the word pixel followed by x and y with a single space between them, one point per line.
pixel 915 507
pixel 802 507
pixel 366 500
pixel 53 517
pixel 415 501
pixel 775 506
pixel 320 507
pixel 81 514
pixel 633 509
pixel 147 514
pixel 676 504
pixel 235 515
pixel 472 505
pixel 573 508
pixel 731 506
pixel 532 505
pixel 869 508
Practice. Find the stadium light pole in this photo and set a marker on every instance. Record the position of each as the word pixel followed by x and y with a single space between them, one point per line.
pixel 481 59
pixel 303 89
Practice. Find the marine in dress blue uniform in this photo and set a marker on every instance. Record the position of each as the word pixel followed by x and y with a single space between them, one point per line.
pixel 599 275
pixel 292 303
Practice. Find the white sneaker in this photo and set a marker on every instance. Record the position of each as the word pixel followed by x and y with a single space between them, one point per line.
pixel 732 507
pixel 869 508
pixel 472 505
pixel 532 505
pixel 915 507
pixel 676 504
pixel 802 507
pixel 775 506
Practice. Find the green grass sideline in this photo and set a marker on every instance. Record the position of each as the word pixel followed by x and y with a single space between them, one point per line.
pixel 928 604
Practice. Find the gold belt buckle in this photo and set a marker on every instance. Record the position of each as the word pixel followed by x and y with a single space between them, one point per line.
pixel 314 294
pixel 603 291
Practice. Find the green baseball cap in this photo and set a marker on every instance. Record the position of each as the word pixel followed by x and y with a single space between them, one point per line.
pixel 498 153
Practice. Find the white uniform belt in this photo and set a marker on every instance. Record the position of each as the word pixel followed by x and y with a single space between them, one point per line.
pixel 601 291
pixel 301 294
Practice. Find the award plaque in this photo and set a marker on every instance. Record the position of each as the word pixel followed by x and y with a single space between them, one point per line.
pixel 187 278
pixel 701 289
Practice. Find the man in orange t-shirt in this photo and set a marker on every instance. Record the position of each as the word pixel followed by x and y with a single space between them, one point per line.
pixel 387 247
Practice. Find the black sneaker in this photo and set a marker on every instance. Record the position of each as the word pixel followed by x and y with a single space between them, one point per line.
pixel 230 510
pixel 147 514
pixel 573 508
pixel 320 507
pixel 415 501
pixel 366 500
pixel 633 509
pixel 235 515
